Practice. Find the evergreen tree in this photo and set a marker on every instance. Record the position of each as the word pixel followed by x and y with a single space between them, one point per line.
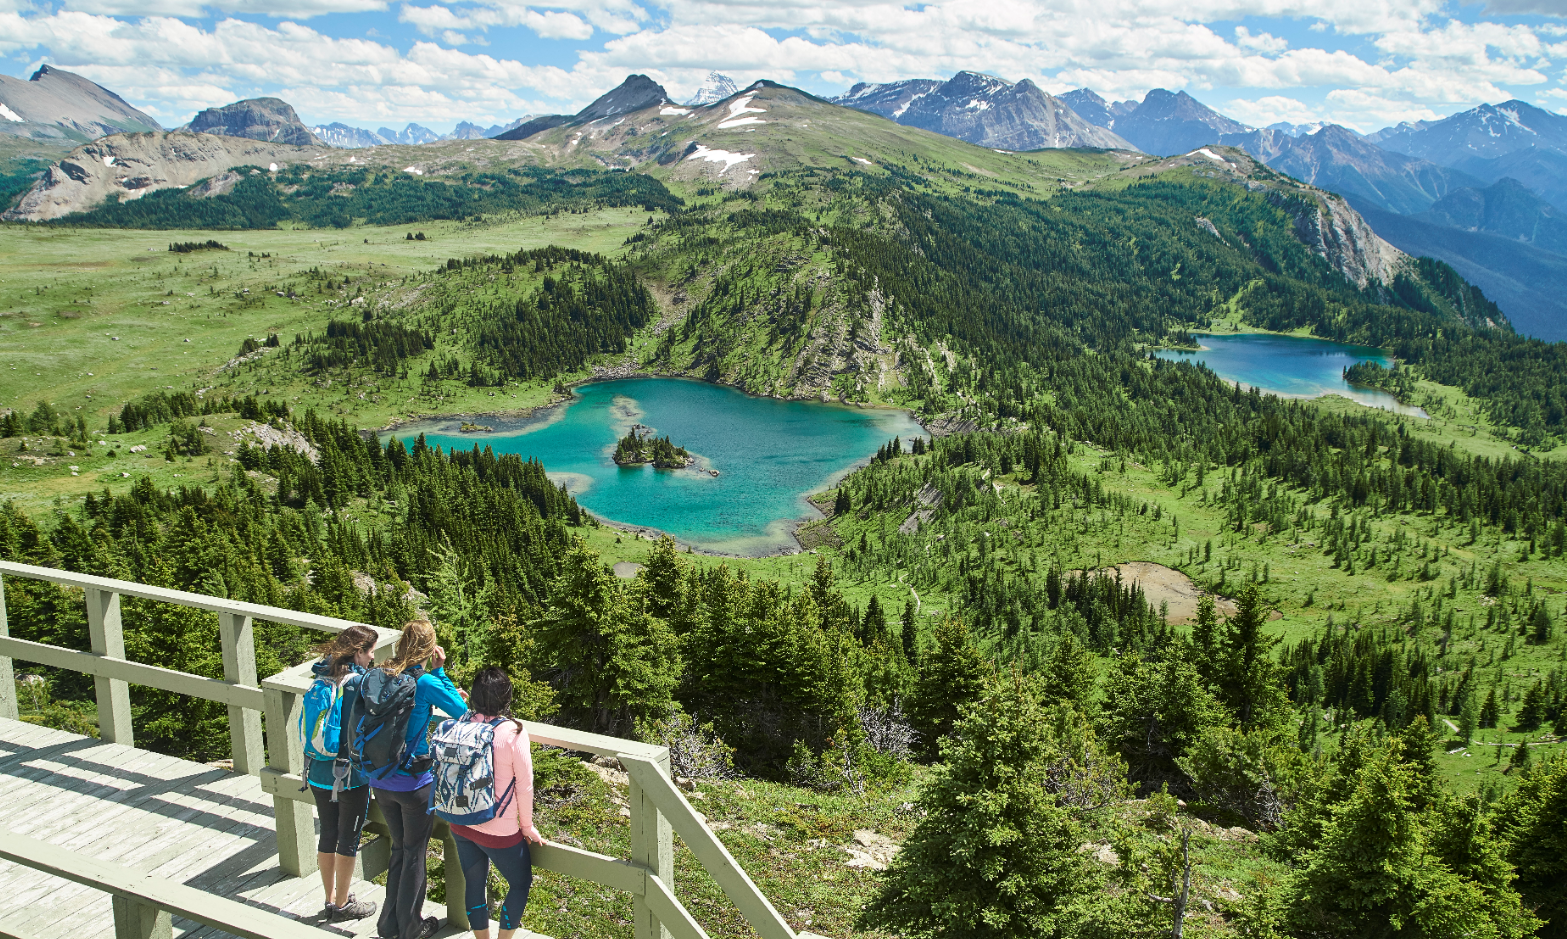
pixel 1373 874
pixel 611 662
pixel 951 675
pixel 907 629
pixel 1248 682
pixel 1067 675
pixel 1464 839
pixel 665 575
pixel 1531 712
pixel 1154 711
pixel 996 856
pixel 1533 825
pixel 873 627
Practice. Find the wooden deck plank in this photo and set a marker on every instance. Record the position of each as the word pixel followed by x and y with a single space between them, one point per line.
pixel 193 824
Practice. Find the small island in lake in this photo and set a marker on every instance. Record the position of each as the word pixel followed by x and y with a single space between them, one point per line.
pixel 468 427
pixel 640 446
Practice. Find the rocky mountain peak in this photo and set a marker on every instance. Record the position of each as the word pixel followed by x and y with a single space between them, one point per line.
pixel 1174 122
pixel 270 119
pixel 1486 132
pixel 60 104
pixel 985 110
pixel 633 94
pixel 889 99
pixel 717 87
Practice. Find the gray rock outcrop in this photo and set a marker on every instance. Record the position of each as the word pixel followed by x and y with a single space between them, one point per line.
pixel 269 119
pixel 128 166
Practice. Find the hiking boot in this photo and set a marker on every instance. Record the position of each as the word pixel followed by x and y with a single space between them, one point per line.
pixel 431 927
pixel 353 909
pixel 328 911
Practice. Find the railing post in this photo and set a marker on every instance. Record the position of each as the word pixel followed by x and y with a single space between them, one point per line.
pixel 239 667
pixel 8 706
pixel 108 639
pixel 653 847
pixel 138 919
pixel 296 843
pixel 456 881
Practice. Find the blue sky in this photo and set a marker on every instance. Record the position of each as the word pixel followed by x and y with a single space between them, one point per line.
pixel 1362 63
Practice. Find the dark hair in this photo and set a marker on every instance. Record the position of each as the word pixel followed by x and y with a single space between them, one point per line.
pixel 491 693
pixel 342 648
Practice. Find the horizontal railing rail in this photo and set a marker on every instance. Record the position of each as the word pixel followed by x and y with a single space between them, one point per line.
pixel 143 903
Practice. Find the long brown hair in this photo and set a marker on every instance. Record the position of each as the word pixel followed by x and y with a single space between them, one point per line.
pixel 416 645
pixel 342 648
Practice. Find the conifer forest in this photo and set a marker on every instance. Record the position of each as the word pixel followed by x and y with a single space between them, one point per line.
pixel 1113 648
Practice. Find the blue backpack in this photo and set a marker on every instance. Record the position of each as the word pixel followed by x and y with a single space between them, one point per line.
pixel 464 790
pixel 320 719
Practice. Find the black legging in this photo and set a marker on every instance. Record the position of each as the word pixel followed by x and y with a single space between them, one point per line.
pixel 341 821
pixel 409 822
pixel 515 864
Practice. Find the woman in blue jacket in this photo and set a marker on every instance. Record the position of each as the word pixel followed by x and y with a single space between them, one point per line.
pixel 341 805
pixel 403 793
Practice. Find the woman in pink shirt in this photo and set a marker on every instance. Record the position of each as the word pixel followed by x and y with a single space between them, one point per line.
pixel 503 839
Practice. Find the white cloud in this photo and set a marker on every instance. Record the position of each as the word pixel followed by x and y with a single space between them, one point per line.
pixel 292 9
pixel 1366 61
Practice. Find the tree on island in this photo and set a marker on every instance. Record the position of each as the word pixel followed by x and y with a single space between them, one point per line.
pixel 637 448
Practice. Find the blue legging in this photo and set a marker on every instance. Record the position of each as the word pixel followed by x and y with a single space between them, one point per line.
pixel 514 863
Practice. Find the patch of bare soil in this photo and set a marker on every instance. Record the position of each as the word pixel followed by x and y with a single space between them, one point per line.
pixel 1165 585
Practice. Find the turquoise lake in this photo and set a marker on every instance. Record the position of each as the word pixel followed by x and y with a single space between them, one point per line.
pixel 769 454
pixel 1290 366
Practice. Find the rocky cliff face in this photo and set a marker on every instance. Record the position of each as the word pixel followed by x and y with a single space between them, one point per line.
pixel 269 119
pixel 1330 227
pixel 56 103
pixel 128 166
pixel 1325 222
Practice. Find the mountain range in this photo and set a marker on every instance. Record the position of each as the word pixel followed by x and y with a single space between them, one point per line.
pixel 1457 188
pixel 984 110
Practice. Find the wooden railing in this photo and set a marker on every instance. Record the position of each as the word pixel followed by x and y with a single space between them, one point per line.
pixel 658 808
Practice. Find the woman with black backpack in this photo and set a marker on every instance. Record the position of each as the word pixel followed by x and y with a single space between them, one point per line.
pixel 391 720
pixel 342 799
pixel 504 799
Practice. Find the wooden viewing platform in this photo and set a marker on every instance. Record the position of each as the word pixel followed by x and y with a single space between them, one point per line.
pixel 186 823
pixel 100 838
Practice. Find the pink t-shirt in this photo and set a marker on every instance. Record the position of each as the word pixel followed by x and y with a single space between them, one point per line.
pixel 513 764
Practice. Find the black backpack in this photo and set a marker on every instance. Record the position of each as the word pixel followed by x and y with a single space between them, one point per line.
pixel 379 742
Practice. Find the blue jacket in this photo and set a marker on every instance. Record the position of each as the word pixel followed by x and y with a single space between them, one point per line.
pixel 319 773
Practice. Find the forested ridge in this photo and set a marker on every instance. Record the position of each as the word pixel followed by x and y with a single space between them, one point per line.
pixel 1054 714
pixel 339 198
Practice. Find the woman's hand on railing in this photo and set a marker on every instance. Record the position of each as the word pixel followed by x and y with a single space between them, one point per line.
pixel 532 836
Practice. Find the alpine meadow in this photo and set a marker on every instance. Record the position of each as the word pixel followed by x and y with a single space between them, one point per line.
pixel 1113 647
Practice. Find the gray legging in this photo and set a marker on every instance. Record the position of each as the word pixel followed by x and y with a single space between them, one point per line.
pixel 402 912
pixel 515 864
